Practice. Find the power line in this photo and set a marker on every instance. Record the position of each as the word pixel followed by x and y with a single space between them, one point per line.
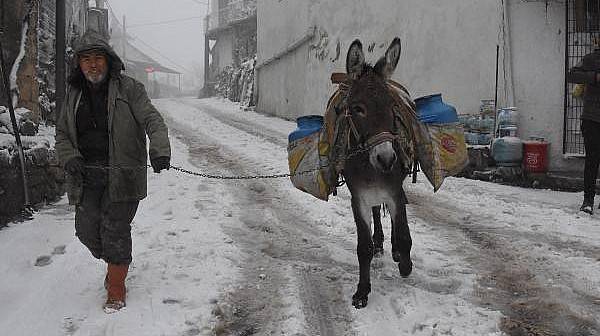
pixel 165 22
pixel 142 41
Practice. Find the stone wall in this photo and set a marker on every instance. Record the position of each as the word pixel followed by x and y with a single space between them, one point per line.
pixel 45 179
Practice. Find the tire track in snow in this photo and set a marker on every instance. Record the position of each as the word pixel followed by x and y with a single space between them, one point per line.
pixel 512 279
pixel 434 285
pixel 273 248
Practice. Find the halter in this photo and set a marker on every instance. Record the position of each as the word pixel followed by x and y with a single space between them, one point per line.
pixel 370 142
pixel 402 102
pixel 374 140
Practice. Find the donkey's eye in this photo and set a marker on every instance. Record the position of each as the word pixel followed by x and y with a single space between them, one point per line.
pixel 358 110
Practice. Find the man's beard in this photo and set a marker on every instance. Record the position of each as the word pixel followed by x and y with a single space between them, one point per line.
pixel 95 78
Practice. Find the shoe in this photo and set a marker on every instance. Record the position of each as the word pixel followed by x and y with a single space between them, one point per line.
pixel 587 207
pixel 115 300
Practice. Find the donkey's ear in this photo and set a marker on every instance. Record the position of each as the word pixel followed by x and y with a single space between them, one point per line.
pixel 355 60
pixel 387 64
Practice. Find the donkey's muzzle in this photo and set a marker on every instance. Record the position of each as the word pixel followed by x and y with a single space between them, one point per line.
pixel 383 157
pixel 386 162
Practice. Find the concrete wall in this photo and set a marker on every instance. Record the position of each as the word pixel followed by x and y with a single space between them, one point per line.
pixel 436 54
pixel 538 56
pixel 447 47
pixel 224 49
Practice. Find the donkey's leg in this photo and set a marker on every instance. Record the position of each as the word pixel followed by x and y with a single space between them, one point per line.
pixel 401 240
pixel 377 232
pixel 364 251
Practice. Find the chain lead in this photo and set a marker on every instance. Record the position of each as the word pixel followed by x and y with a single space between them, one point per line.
pixel 223 177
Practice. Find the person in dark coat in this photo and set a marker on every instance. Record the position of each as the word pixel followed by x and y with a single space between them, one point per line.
pixel 101 142
pixel 588 72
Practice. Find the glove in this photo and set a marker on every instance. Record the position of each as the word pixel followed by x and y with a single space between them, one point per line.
pixel 75 167
pixel 160 163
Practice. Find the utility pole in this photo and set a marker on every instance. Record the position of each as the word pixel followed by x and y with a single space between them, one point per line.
pixel 124 42
pixel 206 51
pixel 60 55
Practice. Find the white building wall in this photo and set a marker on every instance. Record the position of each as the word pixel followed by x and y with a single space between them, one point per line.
pixel 436 55
pixel 538 56
pixel 447 47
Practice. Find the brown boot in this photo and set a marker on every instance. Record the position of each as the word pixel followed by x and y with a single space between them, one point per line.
pixel 116 288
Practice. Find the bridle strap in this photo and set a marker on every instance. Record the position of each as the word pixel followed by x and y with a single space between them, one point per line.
pixel 380 138
pixel 352 127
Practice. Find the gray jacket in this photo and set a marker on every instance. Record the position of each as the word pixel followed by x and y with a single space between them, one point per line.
pixel 131 116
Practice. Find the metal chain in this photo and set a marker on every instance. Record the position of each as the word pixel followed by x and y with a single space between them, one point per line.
pixel 225 177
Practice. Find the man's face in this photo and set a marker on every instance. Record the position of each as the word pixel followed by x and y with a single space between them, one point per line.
pixel 94 66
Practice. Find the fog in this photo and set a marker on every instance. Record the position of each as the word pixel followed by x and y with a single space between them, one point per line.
pixel 171 32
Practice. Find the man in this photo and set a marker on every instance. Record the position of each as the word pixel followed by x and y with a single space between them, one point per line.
pixel 101 142
pixel 588 72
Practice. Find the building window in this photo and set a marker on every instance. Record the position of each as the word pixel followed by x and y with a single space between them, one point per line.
pixel 587 15
pixel 583 32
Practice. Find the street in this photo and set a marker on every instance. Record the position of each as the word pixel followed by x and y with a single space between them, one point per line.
pixel 259 257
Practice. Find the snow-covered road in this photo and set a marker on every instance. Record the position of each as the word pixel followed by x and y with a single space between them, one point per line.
pixel 249 257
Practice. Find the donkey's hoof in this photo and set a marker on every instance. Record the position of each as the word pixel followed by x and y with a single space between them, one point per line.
pixel 405 265
pixel 361 297
pixel 360 303
pixel 405 268
pixel 378 252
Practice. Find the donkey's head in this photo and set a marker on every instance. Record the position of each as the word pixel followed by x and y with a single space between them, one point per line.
pixel 372 108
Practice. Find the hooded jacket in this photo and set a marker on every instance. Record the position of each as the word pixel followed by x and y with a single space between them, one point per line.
pixel 585 72
pixel 131 116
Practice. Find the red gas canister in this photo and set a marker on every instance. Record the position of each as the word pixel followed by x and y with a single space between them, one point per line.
pixel 535 156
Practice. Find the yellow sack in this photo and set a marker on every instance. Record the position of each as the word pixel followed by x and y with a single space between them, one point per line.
pixel 322 153
pixel 443 152
pixel 308 159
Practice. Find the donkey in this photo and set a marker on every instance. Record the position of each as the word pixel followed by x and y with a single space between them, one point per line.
pixel 375 175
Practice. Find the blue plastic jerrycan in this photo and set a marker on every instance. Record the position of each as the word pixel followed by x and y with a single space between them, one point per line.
pixel 307 125
pixel 432 110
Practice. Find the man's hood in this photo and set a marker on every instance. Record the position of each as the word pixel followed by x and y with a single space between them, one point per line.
pixel 92 40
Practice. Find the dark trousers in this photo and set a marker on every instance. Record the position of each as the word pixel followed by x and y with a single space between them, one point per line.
pixel 591 138
pixel 104 227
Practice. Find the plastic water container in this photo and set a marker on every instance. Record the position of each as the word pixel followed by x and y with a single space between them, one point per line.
pixel 307 125
pixel 507 151
pixel 508 116
pixel 471 138
pixel 433 110
pixel 484 138
pixel 507 131
pixel 487 124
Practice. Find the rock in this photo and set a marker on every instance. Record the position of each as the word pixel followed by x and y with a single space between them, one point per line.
pixel 28 128
pixel 39 156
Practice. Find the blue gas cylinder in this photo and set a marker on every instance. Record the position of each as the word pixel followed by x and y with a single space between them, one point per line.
pixel 433 110
pixel 507 151
pixel 307 125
